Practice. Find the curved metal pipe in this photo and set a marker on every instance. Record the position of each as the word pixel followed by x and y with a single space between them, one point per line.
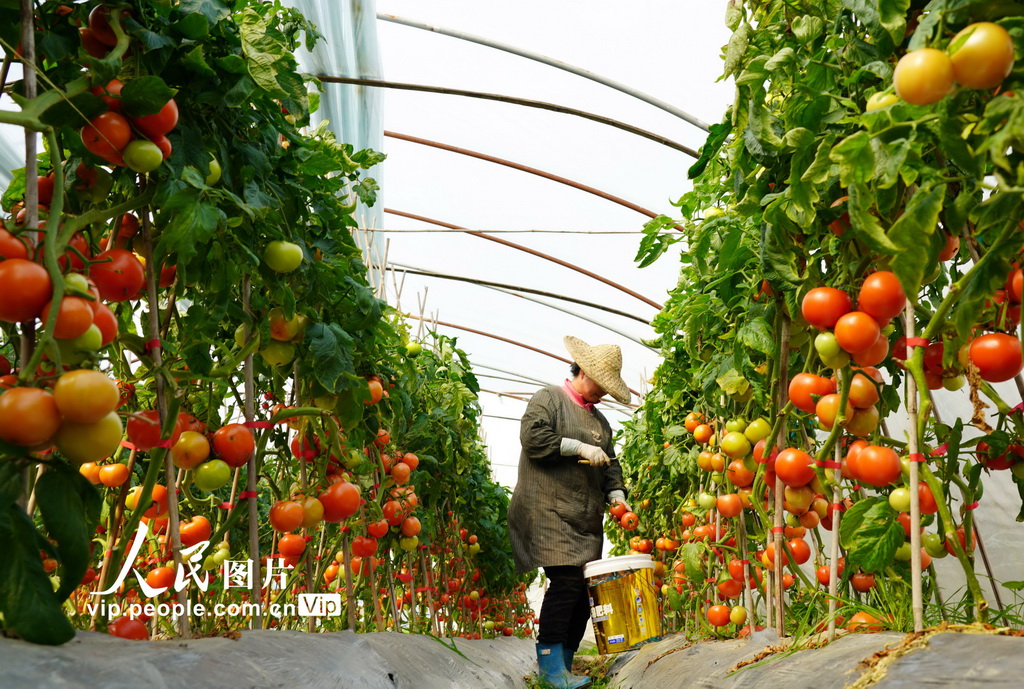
pixel 578 71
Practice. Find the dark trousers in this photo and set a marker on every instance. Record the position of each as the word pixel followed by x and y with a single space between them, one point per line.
pixel 566 608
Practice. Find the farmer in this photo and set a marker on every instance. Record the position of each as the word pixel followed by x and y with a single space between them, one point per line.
pixel 567 472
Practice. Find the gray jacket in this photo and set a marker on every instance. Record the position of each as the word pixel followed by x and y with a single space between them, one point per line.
pixel 556 512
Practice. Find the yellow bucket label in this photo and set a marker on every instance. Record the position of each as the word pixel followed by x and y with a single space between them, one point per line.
pixel 624 609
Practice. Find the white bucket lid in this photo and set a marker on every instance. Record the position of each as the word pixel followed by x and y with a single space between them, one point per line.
pixel 623 563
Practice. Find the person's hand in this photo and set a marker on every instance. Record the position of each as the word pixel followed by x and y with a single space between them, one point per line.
pixel 593 454
pixel 618 496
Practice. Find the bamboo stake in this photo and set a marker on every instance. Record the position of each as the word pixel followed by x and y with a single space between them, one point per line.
pixel 349 589
pixel 915 504
pixel 156 353
pixel 427 582
pixel 833 575
pixel 748 595
pixel 251 469
pixel 777 527
pixel 114 526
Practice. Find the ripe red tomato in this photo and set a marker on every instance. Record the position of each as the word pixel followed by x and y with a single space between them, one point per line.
pixel 234 443
pixel 111 93
pixel 340 501
pixel 291 545
pixel 99 25
pixel 729 505
pixel 827 410
pixel 25 289
pixel 864 622
pixel 158 123
pixel 863 391
pixel 925 499
pixel 996 355
pixel 804 385
pixel 856 331
pixel 411 527
pixel 118 275
pixel 794 467
pixel 29 417
pixel 378 529
pixel 74 316
pixel 286 515
pixel 144 430
pixel 983 55
pixel 630 521
pixel 862 582
pixel 878 466
pixel 12 246
pixel 738 474
pixel 106 321
pixel 617 509
pixel 801 551
pixel 718 615
pixel 195 530
pixel 823 306
pixel 107 134
pixel 881 296
pixel 875 354
pixel 923 77
pixel 128 628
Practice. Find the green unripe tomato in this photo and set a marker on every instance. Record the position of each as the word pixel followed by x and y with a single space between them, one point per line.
pixel 954 383
pixel 880 100
pixel 934 545
pixel 215 171
pixel 899 499
pixel 736 425
pixel 758 429
pixel 707 501
pixel 903 552
pixel 89 341
pixel 240 335
pixel 282 257
pixel 278 353
pixel 211 475
pixel 827 345
pixel 838 361
pixel 413 349
pixel 142 155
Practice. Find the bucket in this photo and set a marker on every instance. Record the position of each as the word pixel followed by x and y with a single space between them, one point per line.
pixel 623 602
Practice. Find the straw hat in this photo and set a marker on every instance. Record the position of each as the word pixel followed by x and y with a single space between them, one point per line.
pixel 602 364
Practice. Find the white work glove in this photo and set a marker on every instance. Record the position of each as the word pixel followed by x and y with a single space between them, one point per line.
pixel 618 496
pixel 592 453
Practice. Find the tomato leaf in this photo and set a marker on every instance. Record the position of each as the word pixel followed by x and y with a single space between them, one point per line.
pixel 756 333
pixel 736 48
pixel 145 96
pixel 331 348
pixel 778 258
pixel 806 28
pixel 870 533
pixel 192 26
pixel 76 111
pixel 914 231
pixel 70 508
pixel 213 10
pixel 692 555
pixel 892 15
pixel 856 159
pixel 29 606
pixel 865 223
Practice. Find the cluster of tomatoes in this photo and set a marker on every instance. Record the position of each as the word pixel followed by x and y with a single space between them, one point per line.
pixel 77 414
pixel 139 143
pixel 979 57
pixel 625 518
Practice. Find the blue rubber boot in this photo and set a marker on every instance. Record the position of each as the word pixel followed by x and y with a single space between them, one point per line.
pixel 551 660
pixel 568 654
